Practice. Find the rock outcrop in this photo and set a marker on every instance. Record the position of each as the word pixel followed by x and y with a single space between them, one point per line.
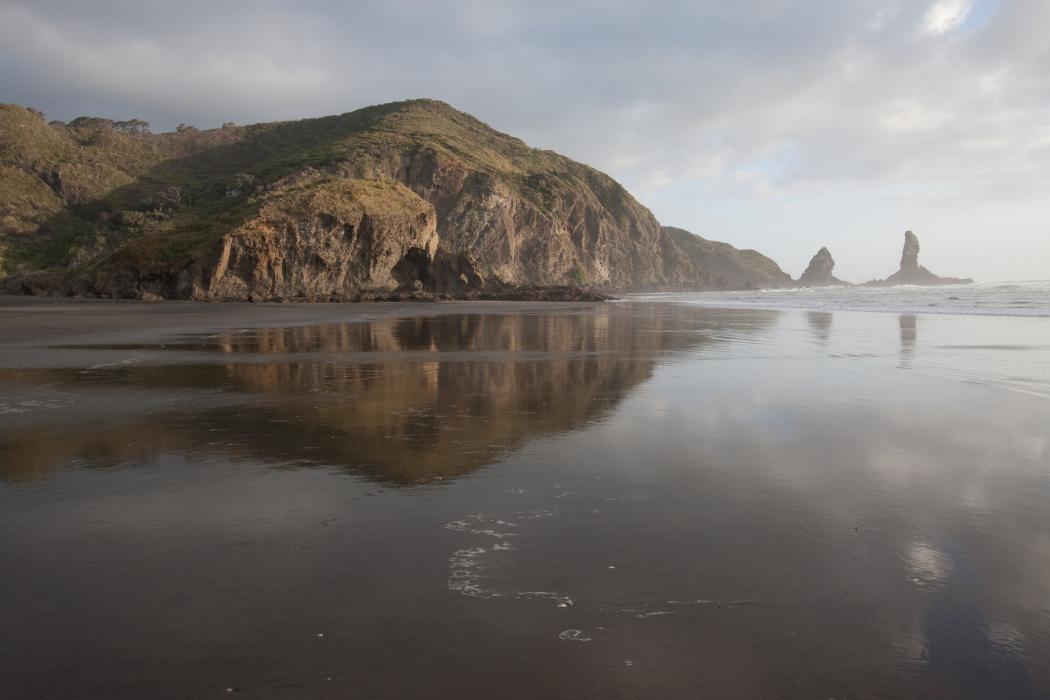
pixel 819 271
pixel 409 198
pixel 326 241
pixel 910 254
pixel 335 240
pixel 555 223
pixel 329 239
pixel 911 272
pixel 738 269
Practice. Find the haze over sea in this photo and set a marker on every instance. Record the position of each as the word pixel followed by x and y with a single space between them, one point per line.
pixel 1024 298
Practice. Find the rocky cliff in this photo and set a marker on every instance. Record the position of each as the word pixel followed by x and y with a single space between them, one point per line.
pixel 317 240
pixel 406 198
pixel 911 272
pixel 819 271
pixel 740 269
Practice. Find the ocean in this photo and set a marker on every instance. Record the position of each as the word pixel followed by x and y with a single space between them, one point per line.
pixel 1026 298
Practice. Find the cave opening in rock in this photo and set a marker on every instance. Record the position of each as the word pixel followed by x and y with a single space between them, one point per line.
pixel 412 267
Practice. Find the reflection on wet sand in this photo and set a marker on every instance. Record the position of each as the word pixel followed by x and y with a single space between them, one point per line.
pixel 908 335
pixel 820 324
pixel 961 653
pixel 402 400
pixel 680 501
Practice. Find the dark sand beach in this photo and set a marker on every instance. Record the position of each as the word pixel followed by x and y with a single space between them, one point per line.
pixel 520 500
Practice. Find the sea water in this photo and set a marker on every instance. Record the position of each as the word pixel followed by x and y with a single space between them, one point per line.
pixel 1027 298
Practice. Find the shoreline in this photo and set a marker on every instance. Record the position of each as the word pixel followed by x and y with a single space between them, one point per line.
pixel 1023 299
pixel 25 320
pixel 133 318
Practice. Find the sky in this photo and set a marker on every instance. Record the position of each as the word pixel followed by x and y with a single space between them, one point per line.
pixel 778 125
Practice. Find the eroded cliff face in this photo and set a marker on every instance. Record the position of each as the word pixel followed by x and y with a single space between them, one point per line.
pixel 911 272
pixel 571 226
pixel 319 239
pixel 819 271
pixel 331 239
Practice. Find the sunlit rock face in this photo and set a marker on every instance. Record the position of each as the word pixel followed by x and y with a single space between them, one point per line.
pixel 315 238
pixel 537 218
pixel 335 239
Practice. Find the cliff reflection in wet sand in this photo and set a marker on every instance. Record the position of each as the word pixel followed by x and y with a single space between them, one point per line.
pixel 398 399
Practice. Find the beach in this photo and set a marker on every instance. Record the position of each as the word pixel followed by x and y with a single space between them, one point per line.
pixel 643 498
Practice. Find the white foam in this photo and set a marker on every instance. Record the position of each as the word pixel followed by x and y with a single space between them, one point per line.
pixel 573 635
pixel 1030 298
pixel 535 514
pixel 104 365
pixel 562 600
pixel 462 576
pixel 468 524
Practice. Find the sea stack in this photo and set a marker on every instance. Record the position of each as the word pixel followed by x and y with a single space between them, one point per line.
pixel 911 272
pixel 910 254
pixel 818 274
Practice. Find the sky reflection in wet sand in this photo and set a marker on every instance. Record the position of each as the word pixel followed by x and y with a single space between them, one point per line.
pixel 615 500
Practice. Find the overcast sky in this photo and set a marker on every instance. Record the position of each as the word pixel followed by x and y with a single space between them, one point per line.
pixel 780 125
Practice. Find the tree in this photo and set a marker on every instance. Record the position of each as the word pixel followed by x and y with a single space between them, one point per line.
pixel 132 127
pixel 173 195
pixel 239 184
pixel 91 123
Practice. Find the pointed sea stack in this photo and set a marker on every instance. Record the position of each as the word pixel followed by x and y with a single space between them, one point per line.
pixel 910 254
pixel 911 272
pixel 818 274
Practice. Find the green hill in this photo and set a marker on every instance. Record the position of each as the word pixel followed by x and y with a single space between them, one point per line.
pixel 107 208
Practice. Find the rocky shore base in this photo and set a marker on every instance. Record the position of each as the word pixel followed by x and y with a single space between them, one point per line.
pixel 55 284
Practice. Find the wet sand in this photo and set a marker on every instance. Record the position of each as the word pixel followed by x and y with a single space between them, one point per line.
pixel 521 500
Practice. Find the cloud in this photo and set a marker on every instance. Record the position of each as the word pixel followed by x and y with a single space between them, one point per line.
pixel 945 15
pixel 710 111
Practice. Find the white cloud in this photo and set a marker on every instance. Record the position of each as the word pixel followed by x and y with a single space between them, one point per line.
pixel 907 115
pixel 945 15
